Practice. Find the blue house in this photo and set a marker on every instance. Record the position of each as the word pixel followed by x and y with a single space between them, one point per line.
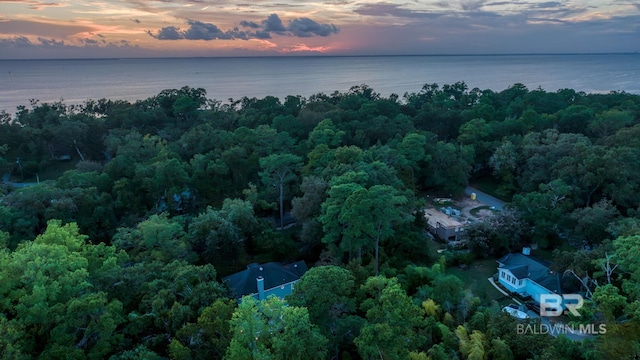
pixel 260 281
pixel 528 275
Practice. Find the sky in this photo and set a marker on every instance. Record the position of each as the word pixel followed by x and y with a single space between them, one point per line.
pixel 32 29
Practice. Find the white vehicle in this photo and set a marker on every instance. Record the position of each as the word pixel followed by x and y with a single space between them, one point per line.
pixel 513 310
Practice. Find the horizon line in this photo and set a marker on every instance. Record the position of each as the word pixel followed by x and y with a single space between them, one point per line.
pixel 324 56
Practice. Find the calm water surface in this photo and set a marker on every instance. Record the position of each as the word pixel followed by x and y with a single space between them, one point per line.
pixel 75 81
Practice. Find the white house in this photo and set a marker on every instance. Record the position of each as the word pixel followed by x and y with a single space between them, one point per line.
pixel 528 276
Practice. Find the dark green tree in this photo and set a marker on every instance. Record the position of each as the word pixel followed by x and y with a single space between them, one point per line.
pixel 270 329
pixel 278 170
pixel 328 292
pixel 393 321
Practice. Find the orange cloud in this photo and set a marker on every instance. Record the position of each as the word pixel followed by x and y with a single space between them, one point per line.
pixel 34 5
pixel 306 48
pixel 38 28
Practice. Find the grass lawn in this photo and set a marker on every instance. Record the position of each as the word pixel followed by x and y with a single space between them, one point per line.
pixel 52 171
pixel 475 279
pixel 547 254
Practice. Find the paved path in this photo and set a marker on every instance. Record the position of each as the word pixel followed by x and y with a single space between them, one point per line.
pixel 485 198
pixel 6 179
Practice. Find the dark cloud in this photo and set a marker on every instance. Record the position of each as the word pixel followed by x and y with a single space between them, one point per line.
pixel 198 30
pixel 273 24
pixel 206 31
pixel 91 42
pixel 249 24
pixel 168 33
pixel 53 43
pixel 305 27
pixel 21 47
pixel 262 35
pixel 18 41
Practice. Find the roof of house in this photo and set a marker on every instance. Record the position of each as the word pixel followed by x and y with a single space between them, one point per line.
pixel 434 217
pixel 533 268
pixel 519 271
pixel 275 274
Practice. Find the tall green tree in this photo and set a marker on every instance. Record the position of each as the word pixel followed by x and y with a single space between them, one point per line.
pixel 271 329
pixel 208 337
pixel 49 306
pixel 609 121
pixel 325 133
pixel 308 207
pixel 328 292
pixel 543 209
pixel 394 321
pixel 331 219
pixel 160 299
pixel 355 217
pixel 413 149
pixel 279 170
pixel 388 211
pixel 473 346
pixel 591 222
pixel 159 238
pixel 627 252
pixel 450 167
pixel 220 236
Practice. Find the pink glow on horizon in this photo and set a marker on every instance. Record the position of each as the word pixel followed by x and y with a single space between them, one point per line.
pixel 270 27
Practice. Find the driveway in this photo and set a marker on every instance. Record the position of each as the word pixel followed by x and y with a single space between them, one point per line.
pixel 6 179
pixel 555 328
pixel 485 198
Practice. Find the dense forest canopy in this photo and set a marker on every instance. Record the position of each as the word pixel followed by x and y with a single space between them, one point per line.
pixel 119 219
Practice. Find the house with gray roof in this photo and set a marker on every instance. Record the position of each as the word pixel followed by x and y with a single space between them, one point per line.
pixel 528 275
pixel 260 281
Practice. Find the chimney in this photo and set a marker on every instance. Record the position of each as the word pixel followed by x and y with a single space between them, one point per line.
pixel 260 281
pixel 526 251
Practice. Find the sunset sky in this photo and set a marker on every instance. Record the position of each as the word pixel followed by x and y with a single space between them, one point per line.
pixel 145 28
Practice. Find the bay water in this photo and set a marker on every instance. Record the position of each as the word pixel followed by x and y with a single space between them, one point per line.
pixel 75 81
